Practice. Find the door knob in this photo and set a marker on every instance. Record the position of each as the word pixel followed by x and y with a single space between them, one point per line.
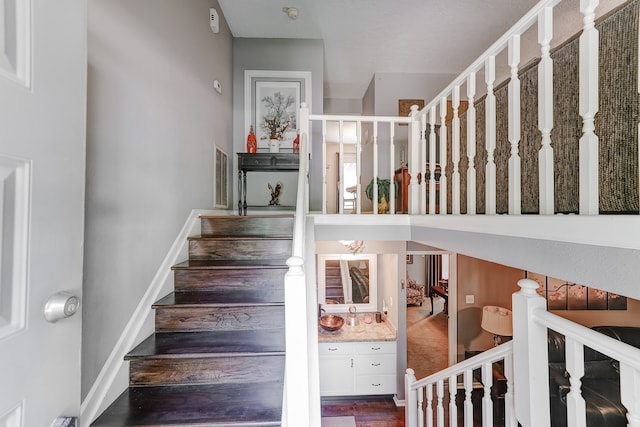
pixel 60 305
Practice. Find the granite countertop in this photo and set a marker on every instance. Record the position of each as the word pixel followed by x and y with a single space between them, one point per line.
pixel 373 331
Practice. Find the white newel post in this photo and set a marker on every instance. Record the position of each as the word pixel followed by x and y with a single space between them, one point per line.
pixel 411 408
pixel 455 152
pixel 414 167
pixel 530 357
pixel 545 112
pixel 443 155
pixel 588 99
pixel 471 144
pixel 490 136
pixel 515 205
pixel 630 393
pixel 297 360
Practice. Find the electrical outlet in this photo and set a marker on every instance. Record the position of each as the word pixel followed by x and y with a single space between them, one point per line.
pixel 470 299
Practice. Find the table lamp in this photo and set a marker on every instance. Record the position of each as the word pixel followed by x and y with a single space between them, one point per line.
pixel 497 320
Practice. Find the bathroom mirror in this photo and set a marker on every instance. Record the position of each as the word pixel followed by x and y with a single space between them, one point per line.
pixel 346 280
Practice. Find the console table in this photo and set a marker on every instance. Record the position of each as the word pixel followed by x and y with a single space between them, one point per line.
pixel 262 162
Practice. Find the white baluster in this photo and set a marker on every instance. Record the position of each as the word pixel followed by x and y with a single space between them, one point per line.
pixel 392 160
pixel 576 415
pixel 423 163
pixel 324 168
pixel 421 407
pixel 429 390
pixel 443 156
pixel 414 168
pixel 453 409
pixel 432 162
pixel 515 205
pixel 341 167
pixel 509 413
pixel 375 167
pixel 455 151
pixel 490 136
pixel 545 111
pixel 630 393
pixel 440 407
pixel 532 388
pixel 487 404
pixel 471 144
pixel 588 100
pixel 359 167
pixel 411 414
pixel 468 404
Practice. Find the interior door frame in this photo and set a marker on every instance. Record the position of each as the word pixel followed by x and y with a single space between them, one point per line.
pixel 452 324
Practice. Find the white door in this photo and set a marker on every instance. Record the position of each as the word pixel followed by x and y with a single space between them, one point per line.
pixel 42 157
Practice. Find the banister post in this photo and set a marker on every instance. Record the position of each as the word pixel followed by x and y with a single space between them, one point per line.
pixel 414 166
pixel 411 407
pixel 305 139
pixel 630 393
pixel 530 357
pixel 297 360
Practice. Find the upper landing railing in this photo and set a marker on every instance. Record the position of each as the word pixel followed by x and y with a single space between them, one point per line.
pixel 435 135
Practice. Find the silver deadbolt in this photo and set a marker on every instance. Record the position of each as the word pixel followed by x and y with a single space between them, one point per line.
pixel 60 305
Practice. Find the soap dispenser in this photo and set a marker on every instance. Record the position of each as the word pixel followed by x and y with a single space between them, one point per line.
pixel 352 320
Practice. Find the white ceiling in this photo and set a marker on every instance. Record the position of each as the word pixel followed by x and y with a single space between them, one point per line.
pixel 362 37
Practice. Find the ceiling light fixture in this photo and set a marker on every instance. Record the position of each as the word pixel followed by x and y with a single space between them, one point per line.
pixel 292 12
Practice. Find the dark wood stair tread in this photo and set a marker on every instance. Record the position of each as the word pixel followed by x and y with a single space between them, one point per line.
pixel 212 344
pixel 213 299
pixel 258 404
pixel 236 217
pixel 229 264
pixel 243 237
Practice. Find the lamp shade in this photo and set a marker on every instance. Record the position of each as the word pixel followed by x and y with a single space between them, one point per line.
pixel 497 320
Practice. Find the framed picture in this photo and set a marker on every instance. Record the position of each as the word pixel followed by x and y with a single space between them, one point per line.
pixel 404 107
pixel 272 104
pixel 562 295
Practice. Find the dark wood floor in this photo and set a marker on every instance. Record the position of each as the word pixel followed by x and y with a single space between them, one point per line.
pixel 370 411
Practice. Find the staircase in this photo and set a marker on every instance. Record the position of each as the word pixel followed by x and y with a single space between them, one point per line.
pixel 218 353
pixel 333 281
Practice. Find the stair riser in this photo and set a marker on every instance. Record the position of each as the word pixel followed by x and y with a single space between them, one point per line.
pixel 245 249
pixel 248 280
pixel 247 226
pixel 214 370
pixel 219 318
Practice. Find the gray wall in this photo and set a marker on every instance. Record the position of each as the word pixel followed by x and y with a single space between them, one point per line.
pixel 278 55
pixel 153 120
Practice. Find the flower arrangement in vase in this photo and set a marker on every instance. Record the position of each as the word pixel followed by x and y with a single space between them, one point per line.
pixel 277 118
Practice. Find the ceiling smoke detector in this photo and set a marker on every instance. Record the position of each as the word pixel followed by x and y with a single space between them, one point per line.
pixel 291 12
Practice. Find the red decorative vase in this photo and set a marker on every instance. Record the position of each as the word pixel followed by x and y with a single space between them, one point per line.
pixel 252 144
pixel 296 144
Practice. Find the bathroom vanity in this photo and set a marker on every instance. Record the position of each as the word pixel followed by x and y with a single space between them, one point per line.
pixel 358 360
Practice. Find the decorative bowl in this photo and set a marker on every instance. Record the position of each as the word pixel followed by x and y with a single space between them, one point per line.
pixel 331 322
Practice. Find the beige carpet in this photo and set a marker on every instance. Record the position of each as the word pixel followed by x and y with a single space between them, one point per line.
pixel 338 422
pixel 427 342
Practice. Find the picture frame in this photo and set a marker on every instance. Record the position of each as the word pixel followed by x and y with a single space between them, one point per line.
pixel 409 259
pixel 265 88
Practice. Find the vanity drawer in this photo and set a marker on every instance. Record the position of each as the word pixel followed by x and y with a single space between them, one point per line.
pixel 376 364
pixel 376 347
pixel 335 348
pixel 376 384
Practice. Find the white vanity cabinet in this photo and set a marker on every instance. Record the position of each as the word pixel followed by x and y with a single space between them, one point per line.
pixel 357 368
